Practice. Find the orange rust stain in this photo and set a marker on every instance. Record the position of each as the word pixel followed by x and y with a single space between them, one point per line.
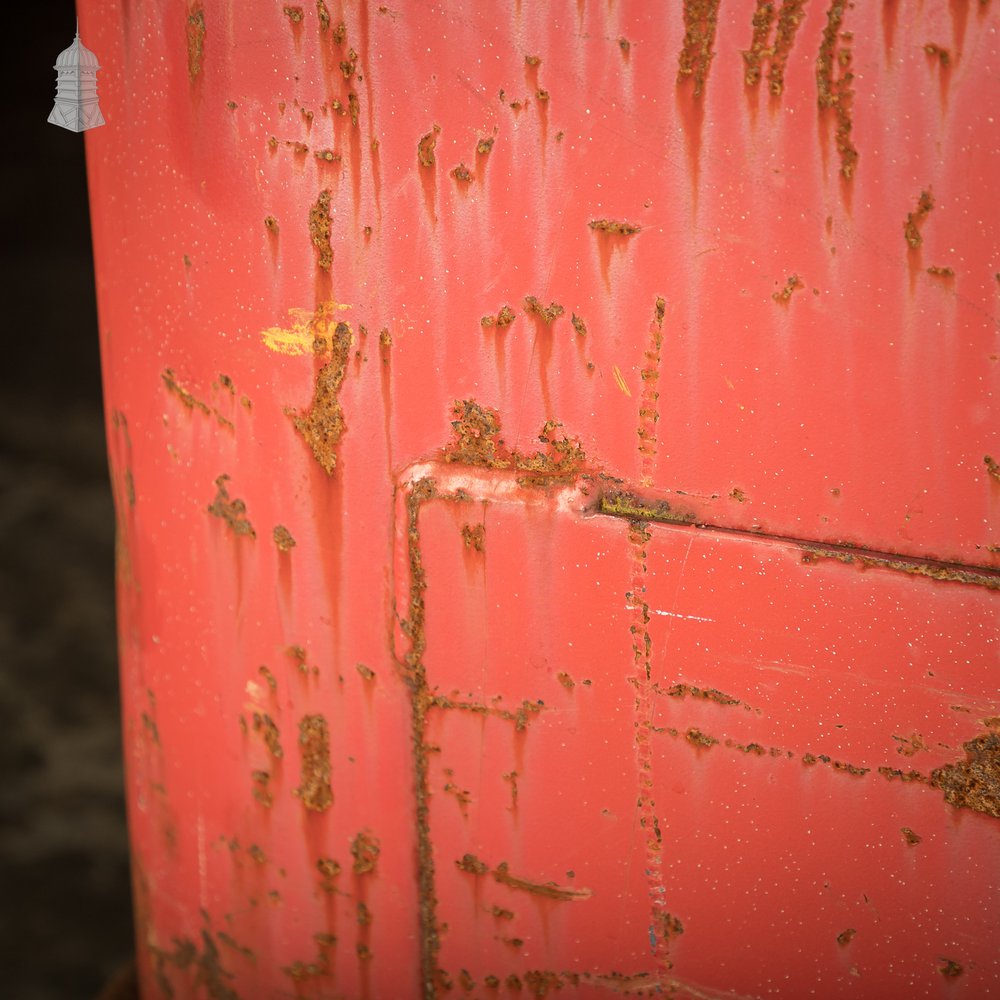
pixel 195 40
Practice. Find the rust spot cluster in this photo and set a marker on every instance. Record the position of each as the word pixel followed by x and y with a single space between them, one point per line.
pixel 792 284
pixel 915 219
pixel 547 314
pixel 834 79
pixel 774 51
pixel 232 511
pixel 425 147
pixel 502 320
pixel 474 536
pixel 614 226
pixel 478 442
pixel 700 22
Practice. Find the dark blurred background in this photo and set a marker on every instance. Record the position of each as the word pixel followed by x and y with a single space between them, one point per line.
pixel 65 904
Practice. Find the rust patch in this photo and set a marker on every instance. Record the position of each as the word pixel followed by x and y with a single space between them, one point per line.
pixel 195 40
pixel 502 320
pixel 934 571
pixel 265 672
pixel 975 782
pixel 940 272
pixel 314 743
pixel 915 219
pixel 259 789
pixel 754 57
pixel 649 411
pixel 699 739
pixel 323 424
pixel 951 968
pixel 474 536
pixel 269 733
pixel 462 174
pixel 789 18
pixel 319 230
pixel 792 284
pixel 323 14
pixel 708 694
pixel 476 866
pixel 911 838
pixel 625 45
pixel 614 226
pixel 622 503
pixel 566 680
pixel 174 386
pixel 695 59
pixel 478 442
pixel 910 745
pixel 578 324
pixel 548 889
pixel 845 937
pixel 547 314
pixel 302 972
pixel 425 148
pixel 205 964
pixel 521 717
pixel 283 538
pixel 471 864
pixel 992 466
pixel 271 224
pixel 294 14
pixel 485 145
pixel 327 156
pixel 365 849
pixel 366 672
pixel 349 65
pixel 233 512
pixel 938 52
pixel 833 83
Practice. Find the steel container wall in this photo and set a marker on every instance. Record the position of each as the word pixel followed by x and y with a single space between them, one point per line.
pixel 553 456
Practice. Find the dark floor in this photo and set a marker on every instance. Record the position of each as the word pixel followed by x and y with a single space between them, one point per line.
pixel 65 905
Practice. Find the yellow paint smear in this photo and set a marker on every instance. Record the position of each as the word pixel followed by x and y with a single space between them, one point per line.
pixel 307 327
pixel 620 380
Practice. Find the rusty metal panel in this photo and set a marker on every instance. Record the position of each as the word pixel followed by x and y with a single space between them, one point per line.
pixel 556 466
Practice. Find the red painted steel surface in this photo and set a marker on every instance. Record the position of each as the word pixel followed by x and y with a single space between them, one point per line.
pixel 552 447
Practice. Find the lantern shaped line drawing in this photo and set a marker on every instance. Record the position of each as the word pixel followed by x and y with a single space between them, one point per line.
pixel 76 105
